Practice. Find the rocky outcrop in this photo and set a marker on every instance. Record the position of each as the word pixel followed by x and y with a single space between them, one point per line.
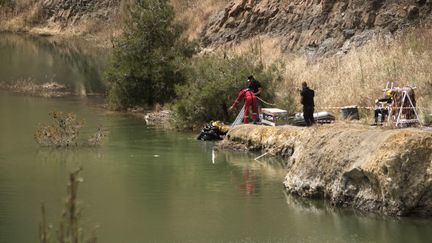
pixel 68 12
pixel 159 118
pixel 315 26
pixel 376 170
pixel 96 19
pixel 156 118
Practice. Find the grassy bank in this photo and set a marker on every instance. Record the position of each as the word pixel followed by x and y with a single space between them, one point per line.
pixel 357 77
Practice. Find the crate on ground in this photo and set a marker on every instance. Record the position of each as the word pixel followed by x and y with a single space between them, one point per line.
pixel 350 112
pixel 274 116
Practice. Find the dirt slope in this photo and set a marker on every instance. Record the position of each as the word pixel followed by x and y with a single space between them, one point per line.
pixel 315 26
pixel 384 171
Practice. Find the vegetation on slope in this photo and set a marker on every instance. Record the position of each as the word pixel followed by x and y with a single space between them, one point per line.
pixel 144 73
pixel 359 77
pixel 153 64
pixel 213 83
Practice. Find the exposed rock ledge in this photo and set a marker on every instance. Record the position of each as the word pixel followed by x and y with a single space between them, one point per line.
pixel 376 170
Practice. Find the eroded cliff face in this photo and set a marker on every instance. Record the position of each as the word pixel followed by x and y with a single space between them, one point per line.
pixel 315 26
pixel 69 12
pixel 376 170
pixel 98 19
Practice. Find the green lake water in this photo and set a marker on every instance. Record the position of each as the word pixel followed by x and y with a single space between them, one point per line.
pixel 152 185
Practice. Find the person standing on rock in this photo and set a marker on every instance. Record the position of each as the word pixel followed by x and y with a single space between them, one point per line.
pixel 307 100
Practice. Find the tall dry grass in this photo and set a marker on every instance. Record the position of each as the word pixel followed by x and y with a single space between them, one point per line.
pixel 356 78
pixel 195 13
pixel 359 77
pixel 20 15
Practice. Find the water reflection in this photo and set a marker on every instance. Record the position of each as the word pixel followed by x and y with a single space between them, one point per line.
pixel 71 158
pixel 249 185
pixel 312 220
pixel 270 168
pixel 189 192
pixel 41 60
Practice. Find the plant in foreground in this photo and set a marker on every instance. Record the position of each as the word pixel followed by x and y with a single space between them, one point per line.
pixel 69 229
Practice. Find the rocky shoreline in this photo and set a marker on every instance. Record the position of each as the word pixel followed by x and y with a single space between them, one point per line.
pixel 155 118
pixel 374 170
pixel 28 87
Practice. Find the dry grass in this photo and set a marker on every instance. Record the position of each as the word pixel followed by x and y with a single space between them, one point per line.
pixel 357 78
pixel 65 132
pixel 196 13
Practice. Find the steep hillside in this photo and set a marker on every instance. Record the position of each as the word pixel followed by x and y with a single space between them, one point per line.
pixel 276 28
pixel 311 26
pixel 315 26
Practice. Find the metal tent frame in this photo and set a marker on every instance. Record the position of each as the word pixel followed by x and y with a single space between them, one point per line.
pixel 396 115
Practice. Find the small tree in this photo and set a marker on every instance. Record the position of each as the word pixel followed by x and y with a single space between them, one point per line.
pixel 148 58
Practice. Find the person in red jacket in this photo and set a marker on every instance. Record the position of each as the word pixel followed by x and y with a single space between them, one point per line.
pixel 250 100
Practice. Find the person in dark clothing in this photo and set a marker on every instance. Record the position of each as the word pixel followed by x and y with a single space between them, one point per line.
pixel 307 100
pixel 255 86
pixel 381 110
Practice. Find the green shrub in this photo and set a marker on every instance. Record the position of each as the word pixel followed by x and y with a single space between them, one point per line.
pixel 213 83
pixel 148 59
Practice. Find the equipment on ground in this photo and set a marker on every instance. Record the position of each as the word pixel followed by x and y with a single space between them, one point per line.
pixel 402 110
pixel 239 118
pixel 322 117
pixel 350 112
pixel 274 116
pixel 213 131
